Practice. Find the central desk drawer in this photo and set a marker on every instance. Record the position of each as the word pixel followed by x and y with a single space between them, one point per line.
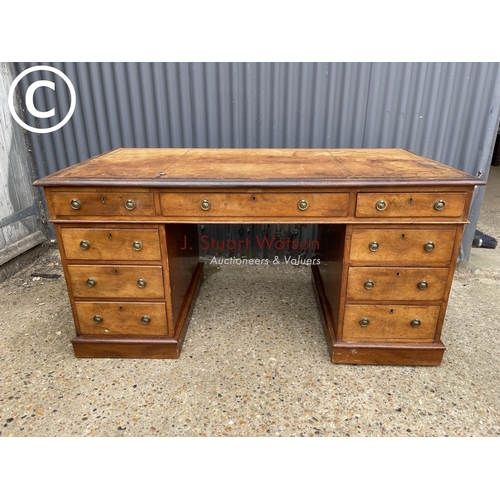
pixel 103 204
pixel 390 323
pixel 403 246
pixel 121 318
pixel 111 244
pixel 228 205
pixel 141 282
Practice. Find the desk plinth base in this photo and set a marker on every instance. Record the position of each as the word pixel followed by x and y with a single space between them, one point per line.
pixel 364 353
pixel 384 354
pixel 143 347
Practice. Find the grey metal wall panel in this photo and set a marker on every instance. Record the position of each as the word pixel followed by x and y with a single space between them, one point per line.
pixel 447 111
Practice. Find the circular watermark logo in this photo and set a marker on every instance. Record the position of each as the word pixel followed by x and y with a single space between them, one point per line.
pixel 30 105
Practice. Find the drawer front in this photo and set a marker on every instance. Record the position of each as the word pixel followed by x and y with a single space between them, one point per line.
pixel 121 318
pixel 103 204
pixel 111 244
pixel 390 323
pixel 299 205
pixel 141 282
pixel 411 247
pixel 378 283
pixel 383 205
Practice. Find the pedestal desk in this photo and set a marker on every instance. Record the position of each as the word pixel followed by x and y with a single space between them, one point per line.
pixel 390 224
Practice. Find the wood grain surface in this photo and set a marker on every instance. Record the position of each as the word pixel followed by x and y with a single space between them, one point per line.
pixel 122 318
pixel 116 281
pixel 390 323
pixel 233 167
pixel 111 244
pixel 410 204
pixel 396 284
pixel 103 203
pixel 403 246
pixel 255 204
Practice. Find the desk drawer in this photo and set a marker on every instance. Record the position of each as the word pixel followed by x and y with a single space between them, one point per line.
pixel 410 247
pixel 111 244
pixel 390 323
pixel 121 318
pixel 389 283
pixel 145 282
pixel 103 204
pixel 227 205
pixel 410 205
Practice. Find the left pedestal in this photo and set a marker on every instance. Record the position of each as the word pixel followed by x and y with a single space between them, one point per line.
pixel 132 287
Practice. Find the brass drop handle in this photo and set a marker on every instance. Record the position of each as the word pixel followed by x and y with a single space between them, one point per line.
pixel 373 246
pixel 76 204
pixel 137 245
pixel 415 323
pixel 429 246
pixel 364 322
pixel 84 244
pixel 369 284
pixel 381 205
pixel 439 205
pixel 146 320
pixel 205 205
pixel 141 283
pixel 302 204
pixel 91 282
pixel 130 204
pixel 98 319
pixel 422 285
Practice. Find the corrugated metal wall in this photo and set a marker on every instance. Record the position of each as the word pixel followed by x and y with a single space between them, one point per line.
pixel 446 111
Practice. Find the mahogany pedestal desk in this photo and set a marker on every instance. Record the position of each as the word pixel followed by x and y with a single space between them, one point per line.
pixel 390 224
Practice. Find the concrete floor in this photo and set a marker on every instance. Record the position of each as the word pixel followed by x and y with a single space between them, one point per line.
pixel 255 363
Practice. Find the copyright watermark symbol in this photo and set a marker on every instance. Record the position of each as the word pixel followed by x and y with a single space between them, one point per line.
pixel 30 99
